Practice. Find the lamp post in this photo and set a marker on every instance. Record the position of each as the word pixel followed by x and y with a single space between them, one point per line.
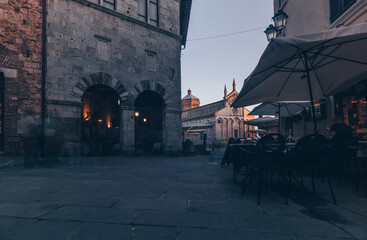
pixel 276 30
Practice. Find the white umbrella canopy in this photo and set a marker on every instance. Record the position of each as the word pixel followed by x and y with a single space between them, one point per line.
pixel 281 109
pixel 307 67
pixel 258 131
pixel 262 121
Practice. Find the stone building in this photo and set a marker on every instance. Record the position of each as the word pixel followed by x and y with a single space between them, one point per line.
pixel 112 74
pixel 319 15
pixel 189 101
pixel 20 69
pixel 215 122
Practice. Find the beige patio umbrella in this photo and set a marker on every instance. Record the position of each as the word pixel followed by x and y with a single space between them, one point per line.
pixel 308 67
pixel 280 109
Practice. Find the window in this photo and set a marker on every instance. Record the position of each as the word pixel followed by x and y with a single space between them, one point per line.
pixel 338 7
pixel 320 111
pixel 148 11
pixel 103 48
pixel 111 4
pixel 151 59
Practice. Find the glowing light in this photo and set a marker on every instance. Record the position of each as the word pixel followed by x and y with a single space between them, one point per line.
pixel 144 120
pixel 118 101
pixel 108 121
pixel 100 120
pixel 137 114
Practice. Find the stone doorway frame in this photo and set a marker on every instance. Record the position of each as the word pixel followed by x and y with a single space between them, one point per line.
pixel 101 78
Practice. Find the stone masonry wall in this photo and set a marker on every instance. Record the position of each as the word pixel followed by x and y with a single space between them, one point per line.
pixel 84 40
pixel 20 61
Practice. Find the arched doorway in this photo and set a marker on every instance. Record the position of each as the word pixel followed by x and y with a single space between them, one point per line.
pixel 149 123
pixel 2 84
pixel 100 134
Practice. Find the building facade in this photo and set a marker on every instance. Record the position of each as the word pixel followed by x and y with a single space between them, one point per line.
pixel 20 69
pixel 112 76
pixel 313 16
pixel 216 122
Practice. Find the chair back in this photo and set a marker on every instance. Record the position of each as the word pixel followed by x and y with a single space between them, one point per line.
pixel 271 143
pixel 313 143
pixel 311 149
pixel 343 133
pixel 231 141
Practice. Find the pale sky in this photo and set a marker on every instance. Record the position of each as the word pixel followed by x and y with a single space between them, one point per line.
pixel 207 65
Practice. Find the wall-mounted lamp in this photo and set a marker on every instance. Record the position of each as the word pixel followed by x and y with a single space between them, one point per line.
pixel 276 30
pixel 137 114
pixel 271 32
pixel 280 19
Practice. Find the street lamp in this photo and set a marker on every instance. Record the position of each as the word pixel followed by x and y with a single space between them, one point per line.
pixel 271 32
pixel 276 30
pixel 280 19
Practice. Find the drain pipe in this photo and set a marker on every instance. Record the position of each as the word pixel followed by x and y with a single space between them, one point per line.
pixel 43 77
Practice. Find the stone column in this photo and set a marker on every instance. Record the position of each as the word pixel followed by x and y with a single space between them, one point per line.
pixel 172 131
pixel 127 130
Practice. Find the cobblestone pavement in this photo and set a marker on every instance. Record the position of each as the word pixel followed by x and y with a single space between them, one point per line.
pixel 164 198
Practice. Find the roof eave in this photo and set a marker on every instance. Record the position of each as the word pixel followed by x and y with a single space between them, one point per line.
pixel 185 10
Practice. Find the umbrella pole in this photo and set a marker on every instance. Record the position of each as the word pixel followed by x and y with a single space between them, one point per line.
pixel 279 118
pixel 315 129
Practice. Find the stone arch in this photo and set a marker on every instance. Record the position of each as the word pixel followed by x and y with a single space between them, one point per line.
pixel 149 85
pixel 99 78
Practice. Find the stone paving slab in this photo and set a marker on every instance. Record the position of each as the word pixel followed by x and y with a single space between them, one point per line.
pixel 152 204
pixel 164 198
pixel 91 214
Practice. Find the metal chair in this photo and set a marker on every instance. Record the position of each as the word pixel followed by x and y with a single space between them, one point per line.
pixel 344 152
pixel 313 157
pixel 268 158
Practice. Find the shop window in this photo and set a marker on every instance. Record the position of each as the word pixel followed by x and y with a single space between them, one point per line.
pixel 320 111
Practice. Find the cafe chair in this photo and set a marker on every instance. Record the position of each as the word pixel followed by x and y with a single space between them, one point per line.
pixel 313 157
pixel 343 151
pixel 267 158
pixel 240 159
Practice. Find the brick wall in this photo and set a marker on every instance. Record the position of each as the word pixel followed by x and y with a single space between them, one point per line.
pixel 20 60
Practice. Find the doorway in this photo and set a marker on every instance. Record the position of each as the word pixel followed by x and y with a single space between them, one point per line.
pixel 100 131
pixel 2 91
pixel 149 124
